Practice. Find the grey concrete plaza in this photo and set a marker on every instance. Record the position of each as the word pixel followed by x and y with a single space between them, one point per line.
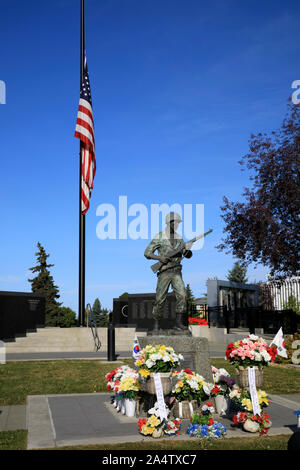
pixel 73 420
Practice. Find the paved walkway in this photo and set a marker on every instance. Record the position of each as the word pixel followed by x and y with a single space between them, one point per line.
pixel 72 420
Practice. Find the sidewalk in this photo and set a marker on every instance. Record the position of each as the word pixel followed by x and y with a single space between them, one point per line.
pixel 72 420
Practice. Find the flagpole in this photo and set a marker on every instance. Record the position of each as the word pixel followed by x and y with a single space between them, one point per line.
pixel 81 297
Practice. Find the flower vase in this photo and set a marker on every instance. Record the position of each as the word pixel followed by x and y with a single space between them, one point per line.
pixel 222 404
pixel 130 407
pixel 184 409
pixel 251 426
pixel 119 405
pixel 166 382
pixel 243 379
pixel 123 410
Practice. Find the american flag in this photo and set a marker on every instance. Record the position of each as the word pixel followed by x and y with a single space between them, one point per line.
pixel 85 132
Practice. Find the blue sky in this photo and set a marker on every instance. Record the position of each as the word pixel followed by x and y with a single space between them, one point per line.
pixel 178 87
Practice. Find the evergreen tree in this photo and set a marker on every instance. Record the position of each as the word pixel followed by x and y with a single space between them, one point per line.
pixel 43 284
pixel 101 314
pixel 190 299
pixel 237 274
pixel 292 304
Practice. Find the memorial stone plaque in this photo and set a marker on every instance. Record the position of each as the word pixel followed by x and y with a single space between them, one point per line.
pixel 194 350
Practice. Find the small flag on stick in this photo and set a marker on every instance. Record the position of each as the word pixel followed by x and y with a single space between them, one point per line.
pixel 280 343
pixel 136 348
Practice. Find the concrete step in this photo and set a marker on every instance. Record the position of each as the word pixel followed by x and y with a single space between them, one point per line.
pixel 69 340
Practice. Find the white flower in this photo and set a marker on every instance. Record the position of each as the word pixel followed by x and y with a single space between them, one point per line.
pixel 253 338
pixel 149 363
pixel 266 355
pixel 166 358
pixel 257 356
pixel 207 389
pixel 224 372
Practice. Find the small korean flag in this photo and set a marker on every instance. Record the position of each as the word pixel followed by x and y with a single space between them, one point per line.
pixel 136 348
pixel 280 344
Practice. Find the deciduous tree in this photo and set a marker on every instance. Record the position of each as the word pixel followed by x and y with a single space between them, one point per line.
pixel 265 227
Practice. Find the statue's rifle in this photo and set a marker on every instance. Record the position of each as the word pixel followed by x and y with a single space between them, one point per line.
pixel 156 266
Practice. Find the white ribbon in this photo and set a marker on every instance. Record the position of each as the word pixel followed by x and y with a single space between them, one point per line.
pixel 253 391
pixel 160 397
pixel 180 409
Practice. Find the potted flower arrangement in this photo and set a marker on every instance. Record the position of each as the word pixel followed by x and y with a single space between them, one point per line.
pixel 113 379
pixel 203 424
pixel 251 351
pixel 189 390
pixel 156 428
pixel 223 385
pixel 128 390
pixel 198 321
pixel 154 359
pixel 252 423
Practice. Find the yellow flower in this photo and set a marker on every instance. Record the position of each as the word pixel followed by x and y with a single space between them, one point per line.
pixel 262 397
pixel 180 384
pixel 147 429
pixel 247 404
pixel 153 421
pixel 144 373
pixel 139 362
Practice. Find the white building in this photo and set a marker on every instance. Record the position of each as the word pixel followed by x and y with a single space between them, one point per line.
pixel 282 290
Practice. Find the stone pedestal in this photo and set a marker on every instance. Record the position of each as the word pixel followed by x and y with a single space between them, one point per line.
pixel 194 350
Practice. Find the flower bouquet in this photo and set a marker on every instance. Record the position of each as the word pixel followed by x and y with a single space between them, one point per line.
pixel 253 423
pixel 244 416
pixel 252 351
pixel 123 381
pixel 154 359
pixel 189 387
pixel 157 358
pixel 155 410
pixel 242 399
pixel 223 385
pixel 203 424
pixel 198 321
pixel 156 428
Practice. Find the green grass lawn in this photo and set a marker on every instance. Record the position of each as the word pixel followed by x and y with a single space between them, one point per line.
pixel 17 440
pixel 13 440
pixel 19 379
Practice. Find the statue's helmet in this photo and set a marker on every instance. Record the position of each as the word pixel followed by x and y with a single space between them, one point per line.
pixel 173 216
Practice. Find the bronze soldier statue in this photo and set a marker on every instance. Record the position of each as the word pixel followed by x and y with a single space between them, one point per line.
pixel 171 248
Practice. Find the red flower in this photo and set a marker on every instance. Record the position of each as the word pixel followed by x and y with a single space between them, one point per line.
pixel 215 390
pixel 141 423
pixel 208 403
pixel 210 422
